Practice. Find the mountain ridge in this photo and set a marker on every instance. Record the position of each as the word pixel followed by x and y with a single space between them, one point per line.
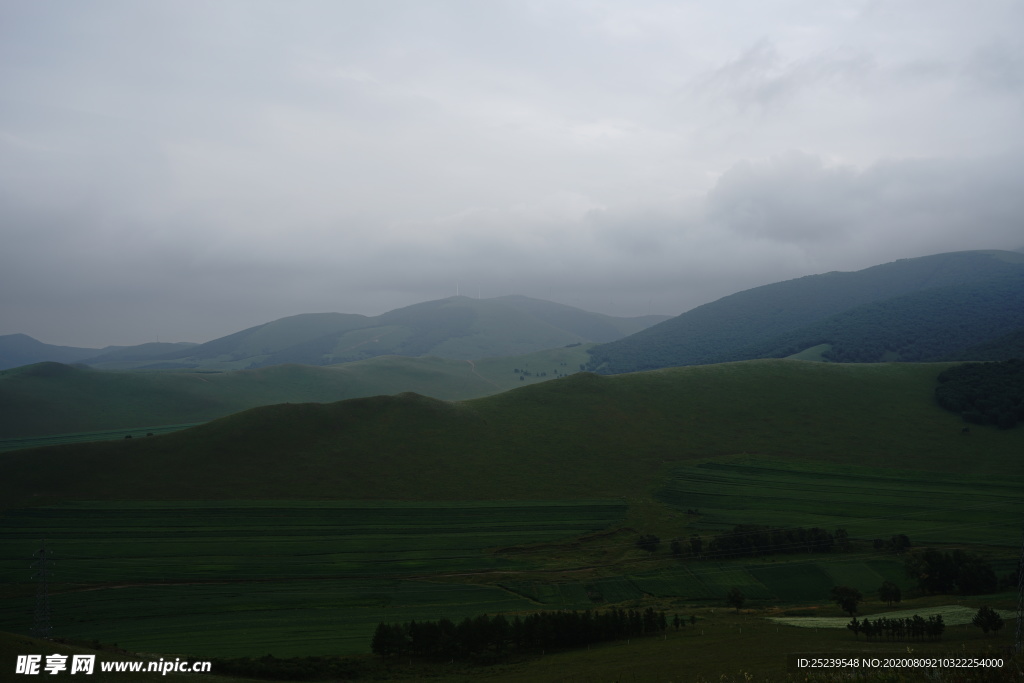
pixel 448 328
pixel 726 329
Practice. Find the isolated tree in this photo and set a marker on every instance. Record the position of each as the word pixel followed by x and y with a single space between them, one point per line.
pixel 987 619
pixel 847 598
pixel 677 548
pixel 735 598
pixel 899 543
pixel 890 593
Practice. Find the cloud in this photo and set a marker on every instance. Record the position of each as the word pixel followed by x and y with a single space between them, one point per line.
pixel 205 167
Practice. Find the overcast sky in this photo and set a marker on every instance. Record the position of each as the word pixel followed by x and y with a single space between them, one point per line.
pixel 181 170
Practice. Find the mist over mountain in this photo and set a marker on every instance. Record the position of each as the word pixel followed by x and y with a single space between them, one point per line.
pixel 459 328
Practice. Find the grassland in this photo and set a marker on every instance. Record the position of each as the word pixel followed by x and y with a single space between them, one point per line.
pixel 245 575
pixel 78 404
pixel 867 502
pixel 585 436
pixel 768 442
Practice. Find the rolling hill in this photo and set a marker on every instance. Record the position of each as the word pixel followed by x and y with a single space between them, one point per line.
pixel 295 529
pixel 52 398
pixel 891 311
pixel 457 328
pixel 581 436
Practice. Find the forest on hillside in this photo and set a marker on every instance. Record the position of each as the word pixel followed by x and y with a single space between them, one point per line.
pixel 984 393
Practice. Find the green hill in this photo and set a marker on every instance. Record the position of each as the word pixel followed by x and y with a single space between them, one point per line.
pixel 51 398
pixel 581 436
pixel 786 317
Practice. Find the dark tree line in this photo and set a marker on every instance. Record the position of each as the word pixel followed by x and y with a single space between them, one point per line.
pixel 476 637
pixel 751 540
pixel 953 572
pixel 984 393
pixel 906 628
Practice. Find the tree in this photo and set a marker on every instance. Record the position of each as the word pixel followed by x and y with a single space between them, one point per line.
pixel 735 598
pixel 890 593
pixel 855 626
pixel 899 543
pixel 847 598
pixel 987 619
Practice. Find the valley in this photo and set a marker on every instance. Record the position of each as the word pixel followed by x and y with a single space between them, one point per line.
pixel 287 489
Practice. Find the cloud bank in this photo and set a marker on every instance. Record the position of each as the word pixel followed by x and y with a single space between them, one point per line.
pixel 185 169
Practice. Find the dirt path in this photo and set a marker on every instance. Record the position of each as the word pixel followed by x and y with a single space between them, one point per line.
pixel 472 368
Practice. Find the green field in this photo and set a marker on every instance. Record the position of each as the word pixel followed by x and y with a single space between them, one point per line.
pixel 930 507
pixel 225 578
pixel 179 550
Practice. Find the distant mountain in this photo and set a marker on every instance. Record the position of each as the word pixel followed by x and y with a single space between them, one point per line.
pixel 118 354
pixel 458 328
pixel 925 308
pixel 590 326
pixel 21 349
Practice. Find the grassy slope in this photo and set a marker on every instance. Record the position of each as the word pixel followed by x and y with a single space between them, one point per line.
pixel 52 399
pixel 582 436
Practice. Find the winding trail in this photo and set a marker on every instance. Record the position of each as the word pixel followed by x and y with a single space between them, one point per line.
pixel 472 367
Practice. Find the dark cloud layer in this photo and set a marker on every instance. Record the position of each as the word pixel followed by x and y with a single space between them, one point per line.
pixel 185 169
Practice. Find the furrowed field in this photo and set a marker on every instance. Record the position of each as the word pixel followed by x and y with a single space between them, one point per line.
pixel 869 503
pixel 257 577
pixel 303 577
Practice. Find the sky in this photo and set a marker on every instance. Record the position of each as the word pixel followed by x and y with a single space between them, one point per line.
pixel 178 170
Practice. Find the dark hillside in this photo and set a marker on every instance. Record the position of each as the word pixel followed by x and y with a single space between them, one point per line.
pixel 720 330
pixel 930 325
pixel 1006 347
pixel 585 436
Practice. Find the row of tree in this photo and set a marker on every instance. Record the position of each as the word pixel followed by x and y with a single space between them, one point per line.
pixel 902 628
pixel 752 540
pixel 951 572
pixel 497 636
